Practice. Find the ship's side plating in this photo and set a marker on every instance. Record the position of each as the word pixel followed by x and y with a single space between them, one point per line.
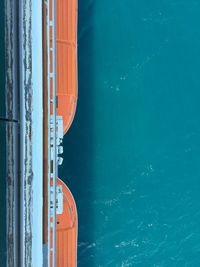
pixel 26 244
pixel 12 112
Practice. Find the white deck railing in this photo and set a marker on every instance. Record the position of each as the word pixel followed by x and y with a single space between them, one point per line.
pixel 52 140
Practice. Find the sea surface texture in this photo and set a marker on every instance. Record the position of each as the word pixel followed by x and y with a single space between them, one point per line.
pixel 132 155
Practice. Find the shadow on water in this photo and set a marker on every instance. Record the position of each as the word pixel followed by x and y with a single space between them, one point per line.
pixel 77 170
pixel 2 145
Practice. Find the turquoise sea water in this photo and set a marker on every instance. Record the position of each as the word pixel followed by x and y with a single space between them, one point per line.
pixel 132 155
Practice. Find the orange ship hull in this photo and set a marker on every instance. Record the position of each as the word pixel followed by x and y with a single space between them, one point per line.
pixel 66 60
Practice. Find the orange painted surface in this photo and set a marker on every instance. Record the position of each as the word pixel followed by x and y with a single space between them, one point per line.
pixel 67 94
pixel 66 59
pixel 66 231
